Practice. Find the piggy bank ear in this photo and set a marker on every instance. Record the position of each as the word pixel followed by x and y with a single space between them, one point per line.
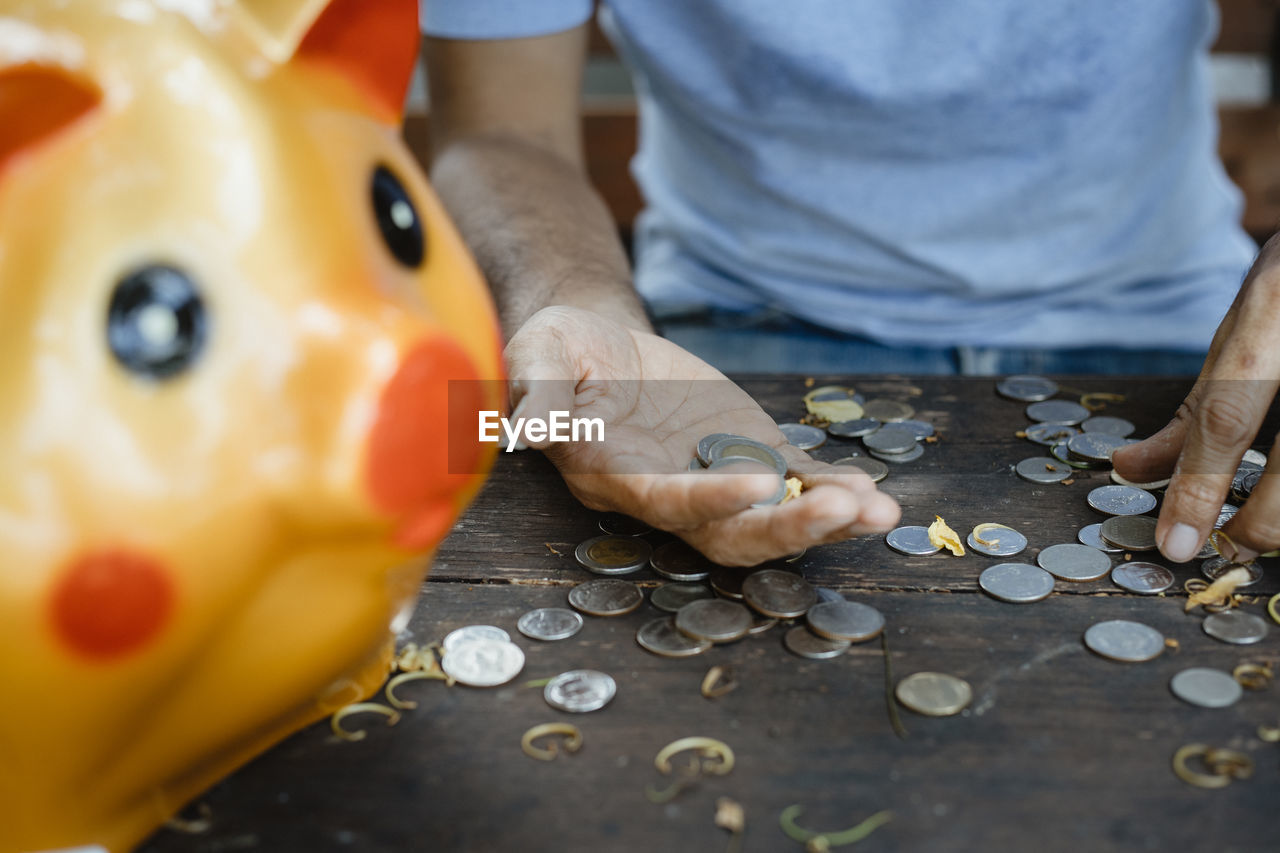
pixel 373 42
pixel 36 103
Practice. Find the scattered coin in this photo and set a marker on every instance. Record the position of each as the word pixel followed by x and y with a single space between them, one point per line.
pixel 1208 688
pixel 761 624
pixel 803 642
pixel 803 436
pixel 887 411
pixel 714 619
pixel 1122 640
pixel 623 525
pixel 549 623
pixel 1121 500
pixel 672 596
pixel 998 540
pixel 779 594
pixel 1130 532
pixel 1094 446
pixel 1091 535
pixel 1107 425
pixel 746 448
pixel 898 458
pixel 1028 389
pixel 606 597
pixel 853 429
pixel 1059 451
pixel 1255 457
pixel 474 632
pixel 845 620
pixel 703 452
pixel 1073 562
pixel 580 691
pixel 934 694
pixel 680 561
pixel 613 555
pixel 661 637
pixel 1217 566
pixel 1140 577
pixel 1058 412
pixel 1235 627
pixel 1016 583
pixel 891 438
pixel 912 539
pixel 1149 487
pixel 873 468
pixel 1244 484
pixel 1042 469
pixel 1050 434
pixel 483 663
pixel 920 429
pixel 727 581
pixel 829 393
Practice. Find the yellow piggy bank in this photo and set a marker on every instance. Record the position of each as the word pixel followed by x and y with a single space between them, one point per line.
pixel 240 349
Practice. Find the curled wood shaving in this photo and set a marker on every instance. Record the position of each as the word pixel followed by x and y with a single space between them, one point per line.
pixel 335 722
pixel 1223 765
pixel 718 682
pixel 718 754
pixel 1253 676
pixel 943 536
pixel 571 734
pixel 1172 645
pixel 1269 734
pixel 1220 591
pixel 408 704
pixel 984 528
pixel 1271 608
pixel 794 488
pixel 1097 400
pixel 819 842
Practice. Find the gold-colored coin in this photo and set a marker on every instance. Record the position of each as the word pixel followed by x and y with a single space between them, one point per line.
pixel 934 694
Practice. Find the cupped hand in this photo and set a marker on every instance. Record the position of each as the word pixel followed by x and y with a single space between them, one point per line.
pixel 1201 447
pixel 656 401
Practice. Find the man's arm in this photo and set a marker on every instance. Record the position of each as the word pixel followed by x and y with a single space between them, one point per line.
pixel 507 162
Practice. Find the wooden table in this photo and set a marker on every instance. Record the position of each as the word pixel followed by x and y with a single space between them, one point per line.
pixel 1060 749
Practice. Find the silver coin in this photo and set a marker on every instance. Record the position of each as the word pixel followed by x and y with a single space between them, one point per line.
pixel 1094 446
pixel 714 619
pixel 828 393
pixel 672 596
pixel 1016 583
pixel 1121 500
pixel 887 411
pixel 474 632
pixel 803 642
pixel 680 561
pixel 1059 451
pixel 934 694
pixel 549 623
pixel 661 637
pixel 745 448
pixel 912 539
pixel 873 468
pixel 1000 542
pixel 623 525
pixel 1028 389
pixel 1149 487
pixel 727 581
pixel 778 594
pixel 891 438
pixel 853 429
pixel 1130 532
pixel 613 555
pixel 483 663
pixel 605 597
pixel 920 429
pixel 1074 562
pixel 1208 688
pixel 1122 640
pixel 580 691
pixel 779 493
pixel 1208 550
pixel 1255 457
pixel 1050 434
pixel 1242 487
pixel 694 464
pixel 1091 535
pixel 1058 412
pixel 1217 566
pixel 761 625
pixel 1140 577
pixel 1107 425
pixel 803 436
pixel 845 620
pixel 703 451
pixel 1235 627
pixel 1042 469
pixel 898 458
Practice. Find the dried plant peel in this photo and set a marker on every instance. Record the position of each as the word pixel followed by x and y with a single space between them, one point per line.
pixel 943 536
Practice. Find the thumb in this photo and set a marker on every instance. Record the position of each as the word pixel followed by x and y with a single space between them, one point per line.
pixel 1153 458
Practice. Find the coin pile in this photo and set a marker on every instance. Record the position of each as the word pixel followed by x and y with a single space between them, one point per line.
pixel 721 450
pixel 888 428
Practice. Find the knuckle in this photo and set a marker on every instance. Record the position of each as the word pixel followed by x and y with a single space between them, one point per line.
pixel 1198 495
pixel 1226 420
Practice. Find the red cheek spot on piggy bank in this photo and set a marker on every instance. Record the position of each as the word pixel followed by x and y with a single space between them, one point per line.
pixel 242 355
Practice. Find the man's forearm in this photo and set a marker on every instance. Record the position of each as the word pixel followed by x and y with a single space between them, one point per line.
pixel 541 234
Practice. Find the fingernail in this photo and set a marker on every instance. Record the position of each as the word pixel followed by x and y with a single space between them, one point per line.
pixel 1181 543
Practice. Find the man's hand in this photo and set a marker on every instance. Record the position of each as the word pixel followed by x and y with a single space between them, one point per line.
pixel 656 401
pixel 1203 444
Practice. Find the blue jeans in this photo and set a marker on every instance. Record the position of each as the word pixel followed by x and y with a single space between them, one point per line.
pixel 771 342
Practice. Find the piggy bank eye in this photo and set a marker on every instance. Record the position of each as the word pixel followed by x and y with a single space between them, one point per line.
pixel 156 322
pixel 398 219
